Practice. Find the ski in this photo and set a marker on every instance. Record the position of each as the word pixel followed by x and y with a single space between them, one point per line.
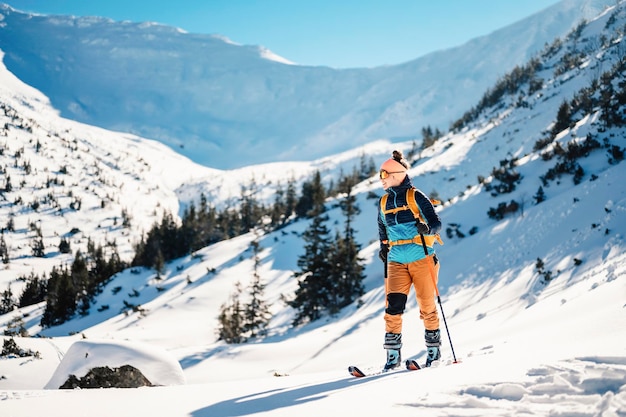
pixel 410 365
pixel 356 372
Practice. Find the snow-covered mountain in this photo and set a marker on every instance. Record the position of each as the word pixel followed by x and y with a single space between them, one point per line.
pixel 227 106
pixel 81 182
pixel 535 338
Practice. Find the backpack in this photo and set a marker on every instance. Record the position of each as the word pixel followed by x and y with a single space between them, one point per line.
pixel 411 205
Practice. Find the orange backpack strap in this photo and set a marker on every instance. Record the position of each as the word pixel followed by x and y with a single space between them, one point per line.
pixel 411 205
pixel 383 205
pixel 410 199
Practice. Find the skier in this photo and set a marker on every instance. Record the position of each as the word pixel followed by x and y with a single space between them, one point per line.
pixel 403 221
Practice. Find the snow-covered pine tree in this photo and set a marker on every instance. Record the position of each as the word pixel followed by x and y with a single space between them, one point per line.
pixel 347 265
pixel 231 320
pixel 314 289
pixel 256 312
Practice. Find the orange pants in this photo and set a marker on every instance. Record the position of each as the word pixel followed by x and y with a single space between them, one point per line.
pixel 423 275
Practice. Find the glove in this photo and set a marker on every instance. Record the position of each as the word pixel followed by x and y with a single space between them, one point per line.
pixel 382 253
pixel 422 228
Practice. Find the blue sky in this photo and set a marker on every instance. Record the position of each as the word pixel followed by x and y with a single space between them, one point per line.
pixel 336 33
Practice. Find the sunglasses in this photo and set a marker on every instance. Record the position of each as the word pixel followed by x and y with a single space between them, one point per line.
pixel 384 173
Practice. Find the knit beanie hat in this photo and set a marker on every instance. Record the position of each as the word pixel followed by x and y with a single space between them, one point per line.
pixel 396 163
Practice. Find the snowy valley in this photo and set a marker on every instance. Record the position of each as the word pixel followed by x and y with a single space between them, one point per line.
pixel 532 278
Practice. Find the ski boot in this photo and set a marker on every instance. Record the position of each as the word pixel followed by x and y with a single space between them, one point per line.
pixel 433 344
pixel 393 344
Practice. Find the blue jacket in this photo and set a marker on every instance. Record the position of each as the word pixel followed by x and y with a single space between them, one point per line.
pixel 402 225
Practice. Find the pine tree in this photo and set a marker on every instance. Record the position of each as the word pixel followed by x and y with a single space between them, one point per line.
pixel 11 223
pixel 7 303
pixel 563 118
pixel 34 292
pixel 336 271
pixel 346 182
pixel 38 245
pixel 278 212
pixel 4 250
pixel 311 202
pixel 81 282
pixel 7 184
pixel 208 221
pixel 238 322
pixel 190 233
pixel 231 319
pixel 64 246
pixel 251 211
pixel 200 226
pixel 159 264
pixel 540 197
pixel 348 270
pixel 314 289
pixel 165 238
pixel 257 313
pixel 61 300
pixel 318 195
pixel 291 200
pixel 114 264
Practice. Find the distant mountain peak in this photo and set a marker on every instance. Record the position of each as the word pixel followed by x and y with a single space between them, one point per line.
pixel 226 105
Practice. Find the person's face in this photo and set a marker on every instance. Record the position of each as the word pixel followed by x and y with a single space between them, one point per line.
pixel 391 179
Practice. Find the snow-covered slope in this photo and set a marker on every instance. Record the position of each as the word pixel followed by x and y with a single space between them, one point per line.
pixel 533 340
pixel 76 181
pixel 80 182
pixel 228 106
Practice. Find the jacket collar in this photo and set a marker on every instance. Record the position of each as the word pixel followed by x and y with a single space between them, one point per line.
pixel 404 185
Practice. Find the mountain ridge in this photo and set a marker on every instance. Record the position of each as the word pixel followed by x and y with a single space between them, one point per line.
pixel 224 106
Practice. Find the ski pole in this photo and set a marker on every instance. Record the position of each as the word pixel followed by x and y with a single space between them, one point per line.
pixel 432 276
pixel 386 284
